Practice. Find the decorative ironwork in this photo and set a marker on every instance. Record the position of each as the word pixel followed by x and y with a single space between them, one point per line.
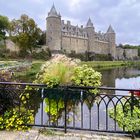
pixel 69 107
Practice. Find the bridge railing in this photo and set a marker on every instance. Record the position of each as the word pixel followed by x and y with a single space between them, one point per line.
pixel 72 107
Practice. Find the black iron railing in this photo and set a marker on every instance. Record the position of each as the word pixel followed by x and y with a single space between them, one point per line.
pixel 70 107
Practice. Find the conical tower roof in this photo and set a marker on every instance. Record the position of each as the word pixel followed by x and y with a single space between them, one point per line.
pixel 110 29
pixel 89 23
pixel 53 12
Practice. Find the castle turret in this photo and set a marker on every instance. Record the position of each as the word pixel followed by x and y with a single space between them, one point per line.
pixel 112 39
pixel 53 32
pixel 91 34
pixel 89 23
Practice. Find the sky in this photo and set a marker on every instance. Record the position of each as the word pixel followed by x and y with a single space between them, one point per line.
pixel 123 15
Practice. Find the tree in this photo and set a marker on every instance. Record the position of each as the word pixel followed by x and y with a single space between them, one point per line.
pixel 42 40
pixel 4 26
pixel 25 33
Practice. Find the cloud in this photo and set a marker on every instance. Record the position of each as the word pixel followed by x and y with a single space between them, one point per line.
pixel 37 1
pixel 123 15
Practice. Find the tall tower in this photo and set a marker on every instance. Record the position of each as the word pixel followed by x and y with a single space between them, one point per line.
pixel 53 32
pixel 90 32
pixel 112 40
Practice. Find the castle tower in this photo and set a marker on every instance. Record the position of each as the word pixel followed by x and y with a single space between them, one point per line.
pixel 53 32
pixel 90 33
pixel 112 39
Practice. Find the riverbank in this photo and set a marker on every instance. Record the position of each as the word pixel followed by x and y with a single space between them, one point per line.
pixel 110 64
pixel 28 74
pixel 35 134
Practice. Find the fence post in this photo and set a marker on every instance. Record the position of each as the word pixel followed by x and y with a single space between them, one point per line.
pixel 42 98
pixel 65 106
pixel 3 98
pixel 132 108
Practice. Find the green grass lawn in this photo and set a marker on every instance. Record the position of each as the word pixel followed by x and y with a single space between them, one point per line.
pixel 109 64
pixel 29 74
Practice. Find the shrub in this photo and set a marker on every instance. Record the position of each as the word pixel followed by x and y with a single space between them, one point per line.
pixel 86 76
pixel 15 120
pixel 10 116
pixel 55 73
pixel 45 55
pixel 125 118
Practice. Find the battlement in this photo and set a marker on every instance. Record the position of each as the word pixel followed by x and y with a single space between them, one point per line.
pixel 101 36
pixel 71 30
pixel 80 32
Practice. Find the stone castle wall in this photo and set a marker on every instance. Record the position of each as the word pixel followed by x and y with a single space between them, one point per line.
pixel 74 44
pixel 131 53
pixel 122 54
pixel 80 45
pixel 101 47
pixel 64 37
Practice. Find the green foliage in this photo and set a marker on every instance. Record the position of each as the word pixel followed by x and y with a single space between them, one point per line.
pixel 28 74
pixel 110 64
pixel 4 25
pixel 125 118
pixel 25 33
pixel 86 76
pixel 87 56
pixel 55 74
pixel 81 56
pixel 15 120
pixel 45 55
pixel 56 108
pixel 10 116
pixel 4 53
pixel 99 57
pixel 63 73
pixel 42 40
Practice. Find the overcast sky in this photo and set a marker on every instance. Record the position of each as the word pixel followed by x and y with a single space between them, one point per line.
pixel 123 15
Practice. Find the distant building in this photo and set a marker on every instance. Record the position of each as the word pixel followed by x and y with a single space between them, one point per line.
pixel 67 38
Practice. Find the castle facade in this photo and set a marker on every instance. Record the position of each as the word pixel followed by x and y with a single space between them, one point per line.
pixel 67 38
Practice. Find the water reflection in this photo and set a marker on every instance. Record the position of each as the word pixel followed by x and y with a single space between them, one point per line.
pixel 112 77
pixel 125 77
pixel 84 106
pixel 84 110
